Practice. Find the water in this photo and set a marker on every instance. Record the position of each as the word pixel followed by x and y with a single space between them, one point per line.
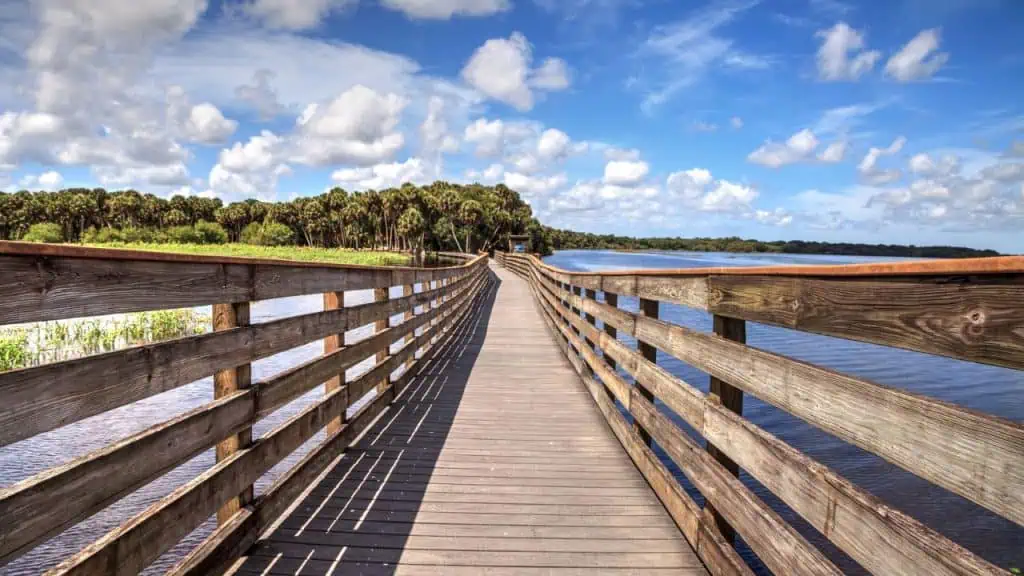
pixel 989 389
pixel 23 459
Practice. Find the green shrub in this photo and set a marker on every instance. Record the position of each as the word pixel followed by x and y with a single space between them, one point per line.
pixel 184 235
pixel 44 232
pixel 211 232
pixel 251 233
pixel 269 233
pixel 276 234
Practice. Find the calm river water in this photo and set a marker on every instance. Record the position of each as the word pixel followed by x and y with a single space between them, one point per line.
pixel 990 389
pixel 995 390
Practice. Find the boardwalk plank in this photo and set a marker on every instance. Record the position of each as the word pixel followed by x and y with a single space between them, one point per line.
pixel 494 460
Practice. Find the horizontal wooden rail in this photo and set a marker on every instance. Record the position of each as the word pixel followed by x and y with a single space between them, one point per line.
pixel 45 282
pixel 225 545
pixel 976 455
pixel 950 310
pixel 134 546
pixel 43 398
pixel 93 481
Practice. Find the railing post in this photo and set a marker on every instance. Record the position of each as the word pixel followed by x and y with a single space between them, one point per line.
pixel 408 290
pixel 332 343
pixel 648 308
pixel 381 295
pixel 592 295
pixel 613 301
pixel 225 383
pixel 732 399
pixel 577 291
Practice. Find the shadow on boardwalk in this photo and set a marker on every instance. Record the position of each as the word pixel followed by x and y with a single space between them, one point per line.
pixel 358 519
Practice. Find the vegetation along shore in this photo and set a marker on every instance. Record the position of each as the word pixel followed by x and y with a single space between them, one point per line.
pixel 438 217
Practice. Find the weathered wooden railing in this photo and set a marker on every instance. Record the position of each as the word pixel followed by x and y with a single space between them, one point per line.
pixel 969 310
pixel 39 282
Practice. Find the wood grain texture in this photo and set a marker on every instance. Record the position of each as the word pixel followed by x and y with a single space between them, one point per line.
pixel 881 538
pixel 699 530
pixel 90 483
pixel 226 383
pixel 731 398
pixel 39 287
pixel 975 318
pixel 46 397
pixel 133 546
pixel 332 343
pixel 984 464
pixel 447 478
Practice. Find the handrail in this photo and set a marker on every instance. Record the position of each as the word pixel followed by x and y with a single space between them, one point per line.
pixel 42 282
pixel 973 454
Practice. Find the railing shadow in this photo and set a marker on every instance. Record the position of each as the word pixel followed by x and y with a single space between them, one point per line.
pixel 360 517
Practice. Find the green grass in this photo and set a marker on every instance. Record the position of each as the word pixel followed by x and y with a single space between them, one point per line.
pixel 45 342
pixel 304 254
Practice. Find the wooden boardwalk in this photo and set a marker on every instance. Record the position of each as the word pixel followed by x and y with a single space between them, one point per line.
pixel 494 460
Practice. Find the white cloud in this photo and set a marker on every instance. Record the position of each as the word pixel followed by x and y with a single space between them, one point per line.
pixel 534 186
pixel 834 152
pixel 736 122
pixel 380 176
pixel 50 180
pixel 918 59
pixel 490 175
pixel 261 95
pixel 488 135
pixel 445 9
pixel 613 153
pixel 842 55
pixel 684 51
pixel 250 170
pixel 434 135
pixel 625 172
pixel 777 217
pixel 797 148
pixel 500 69
pixel 357 127
pixel 293 14
pixel 868 169
pixel 206 124
pixel 844 118
pixel 552 75
pixel 923 165
pixel 696 189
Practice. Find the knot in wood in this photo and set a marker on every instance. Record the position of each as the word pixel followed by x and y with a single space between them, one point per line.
pixel 976 322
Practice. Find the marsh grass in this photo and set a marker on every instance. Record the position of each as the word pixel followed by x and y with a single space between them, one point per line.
pixel 303 253
pixel 45 342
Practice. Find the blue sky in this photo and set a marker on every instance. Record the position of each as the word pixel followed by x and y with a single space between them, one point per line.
pixel 808 119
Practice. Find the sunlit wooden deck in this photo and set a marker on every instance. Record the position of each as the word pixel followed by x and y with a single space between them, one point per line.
pixel 494 460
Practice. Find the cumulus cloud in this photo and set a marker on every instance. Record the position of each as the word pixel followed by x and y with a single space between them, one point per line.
pixel 842 55
pixel 293 14
pixel 797 148
pixel 834 152
pixel 446 9
pixel 490 175
pixel 261 95
pixel 625 172
pixel 534 186
pixel 49 180
pixel 868 169
pixel 434 134
pixel 206 124
pixel 918 59
pixel 360 127
pixel 250 170
pixel 924 165
pixel 379 176
pixel 696 189
pixel 500 69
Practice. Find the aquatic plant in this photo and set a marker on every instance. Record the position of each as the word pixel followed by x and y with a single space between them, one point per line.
pixel 46 342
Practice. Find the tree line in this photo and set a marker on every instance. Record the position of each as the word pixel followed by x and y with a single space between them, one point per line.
pixel 569 240
pixel 438 217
